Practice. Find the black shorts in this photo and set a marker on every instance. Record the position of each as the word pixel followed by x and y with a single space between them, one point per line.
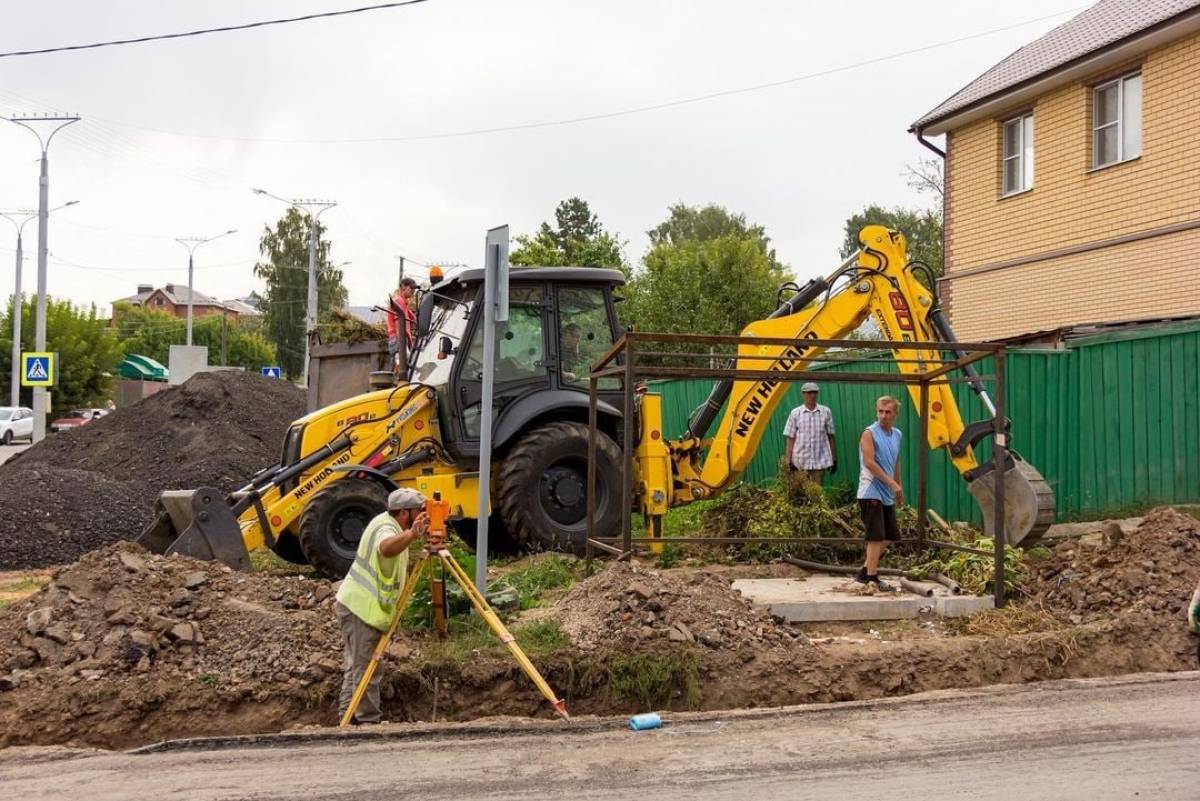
pixel 879 519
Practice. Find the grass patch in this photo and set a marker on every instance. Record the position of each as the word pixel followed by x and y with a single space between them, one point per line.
pixel 264 560
pixel 652 680
pixel 470 637
pixel 18 589
pixel 1011 620
pixel 540 577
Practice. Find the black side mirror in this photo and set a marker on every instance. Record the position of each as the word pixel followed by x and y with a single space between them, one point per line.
pixel 424 315
pixel 445 347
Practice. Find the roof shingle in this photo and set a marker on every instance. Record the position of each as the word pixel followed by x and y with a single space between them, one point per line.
pixel 1104 24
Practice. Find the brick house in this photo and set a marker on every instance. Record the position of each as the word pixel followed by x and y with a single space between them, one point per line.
pixel 1073 176
pixel 173 299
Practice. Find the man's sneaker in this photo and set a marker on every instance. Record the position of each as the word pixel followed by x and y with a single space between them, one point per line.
pixel 880 585
pixel 862 577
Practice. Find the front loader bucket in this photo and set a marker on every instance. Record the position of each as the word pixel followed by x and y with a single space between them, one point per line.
pixel 1028 502
pixel 197 523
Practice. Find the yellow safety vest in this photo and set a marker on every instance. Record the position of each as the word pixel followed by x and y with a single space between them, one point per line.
pixel 373 583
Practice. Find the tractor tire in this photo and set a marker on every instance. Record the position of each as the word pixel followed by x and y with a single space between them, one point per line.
pixel 333 522
pixel 287 547
pixel 542 488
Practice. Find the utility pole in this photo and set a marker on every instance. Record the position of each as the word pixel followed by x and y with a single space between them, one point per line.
pixel 18 219
pixel 401 278
pixel 192 243
pixel 53 124
pixel 314 209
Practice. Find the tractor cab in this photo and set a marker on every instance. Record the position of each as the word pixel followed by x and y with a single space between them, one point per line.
pixel 560 320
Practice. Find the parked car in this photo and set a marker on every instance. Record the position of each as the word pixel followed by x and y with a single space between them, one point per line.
pixel 76 418
pixel 16 422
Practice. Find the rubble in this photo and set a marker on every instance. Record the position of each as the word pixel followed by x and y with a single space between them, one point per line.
pixel 78 490
pixel 1154 569
pixel 172 617
pixel 628 607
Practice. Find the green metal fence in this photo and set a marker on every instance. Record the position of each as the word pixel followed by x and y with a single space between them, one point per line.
pixel 1111 421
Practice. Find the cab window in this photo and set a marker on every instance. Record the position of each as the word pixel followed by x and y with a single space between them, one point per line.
pixel 584 335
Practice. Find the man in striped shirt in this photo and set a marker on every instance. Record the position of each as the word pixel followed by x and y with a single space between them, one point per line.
pixel 809 436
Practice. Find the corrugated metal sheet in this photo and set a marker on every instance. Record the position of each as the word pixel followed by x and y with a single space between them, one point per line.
pixel 1112 421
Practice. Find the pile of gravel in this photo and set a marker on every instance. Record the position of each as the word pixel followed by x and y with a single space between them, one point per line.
pixel 81 489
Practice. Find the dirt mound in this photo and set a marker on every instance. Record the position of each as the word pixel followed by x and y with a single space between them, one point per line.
pixel 121 611
pixel 1154 569
pixel 627 607
pixel 78 490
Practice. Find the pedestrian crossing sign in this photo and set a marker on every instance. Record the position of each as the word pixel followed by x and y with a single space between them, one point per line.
pixel 271 372
pixel 38 370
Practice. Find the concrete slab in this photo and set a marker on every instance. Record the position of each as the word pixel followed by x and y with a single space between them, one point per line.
pixel 817 597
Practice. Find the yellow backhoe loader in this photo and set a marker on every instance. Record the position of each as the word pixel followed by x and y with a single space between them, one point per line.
pixel 338 463
pixel 879 282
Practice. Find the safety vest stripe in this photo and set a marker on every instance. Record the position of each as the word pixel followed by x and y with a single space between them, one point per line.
pixel 386 586
pixel 385 597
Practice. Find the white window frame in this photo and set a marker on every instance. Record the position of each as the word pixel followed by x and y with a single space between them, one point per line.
pixel 1023 125
pixel 1118 123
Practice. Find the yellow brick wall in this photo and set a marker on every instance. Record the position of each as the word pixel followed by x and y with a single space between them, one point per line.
pixel 1072 205
pixel 1146 279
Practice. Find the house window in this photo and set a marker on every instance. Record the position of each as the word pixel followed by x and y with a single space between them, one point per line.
pixel 1117 120
pixel 1018 155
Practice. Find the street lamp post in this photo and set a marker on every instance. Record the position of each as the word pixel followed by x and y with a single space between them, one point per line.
pixel 192 243
pixel 18 219
pixel 314 209
pixel 56 124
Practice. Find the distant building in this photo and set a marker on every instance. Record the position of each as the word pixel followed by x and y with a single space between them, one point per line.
pixel 173 299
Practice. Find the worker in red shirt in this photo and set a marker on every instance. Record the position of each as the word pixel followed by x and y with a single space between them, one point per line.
pixel 400 307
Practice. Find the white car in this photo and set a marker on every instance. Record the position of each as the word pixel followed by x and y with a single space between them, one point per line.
pixel 15 423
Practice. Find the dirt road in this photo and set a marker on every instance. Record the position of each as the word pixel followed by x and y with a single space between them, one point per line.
pixel 1122 738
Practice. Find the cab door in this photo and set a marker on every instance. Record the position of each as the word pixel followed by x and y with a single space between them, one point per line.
pixel 522 367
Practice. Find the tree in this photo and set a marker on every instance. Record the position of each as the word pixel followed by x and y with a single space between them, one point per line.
pixel 148 332
pixel 285 271
pixel 927 176
pixel 577 239
pixel 689 223
pixel 922 229
pixel 87 349
pixel 707 272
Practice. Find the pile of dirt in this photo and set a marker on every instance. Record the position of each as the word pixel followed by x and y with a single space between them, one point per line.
pixel 81 489
pixel 121 613
pixel 627 607
pixel 1154 569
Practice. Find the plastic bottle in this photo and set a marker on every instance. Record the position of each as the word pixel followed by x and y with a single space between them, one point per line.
pixel 647 720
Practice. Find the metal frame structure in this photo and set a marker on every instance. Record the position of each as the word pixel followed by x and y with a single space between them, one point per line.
pixel 622 361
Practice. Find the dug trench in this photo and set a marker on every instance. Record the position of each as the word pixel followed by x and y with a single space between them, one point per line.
pixel 124 648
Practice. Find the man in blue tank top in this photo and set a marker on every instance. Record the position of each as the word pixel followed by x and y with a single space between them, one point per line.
pixel 879 487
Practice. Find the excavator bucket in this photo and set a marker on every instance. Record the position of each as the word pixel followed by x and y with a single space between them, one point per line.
pixel 197 523
pixel 1028 502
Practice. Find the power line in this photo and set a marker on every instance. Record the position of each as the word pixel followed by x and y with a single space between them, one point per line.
pixel 203 31
pixel 608 114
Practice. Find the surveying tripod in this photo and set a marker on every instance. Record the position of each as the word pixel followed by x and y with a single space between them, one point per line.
pixel 436 547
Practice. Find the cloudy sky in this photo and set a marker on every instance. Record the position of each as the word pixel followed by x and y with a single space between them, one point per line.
pixel 175 134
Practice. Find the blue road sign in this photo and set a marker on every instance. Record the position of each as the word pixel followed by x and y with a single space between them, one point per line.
pixel 272 372
pixel 37 369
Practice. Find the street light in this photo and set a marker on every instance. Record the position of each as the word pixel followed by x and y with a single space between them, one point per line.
pixel 314 209
pixel 192 243
pixel 56 124
pixel 18 219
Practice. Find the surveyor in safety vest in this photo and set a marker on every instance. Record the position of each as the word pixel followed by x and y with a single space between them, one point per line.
pixel 367 597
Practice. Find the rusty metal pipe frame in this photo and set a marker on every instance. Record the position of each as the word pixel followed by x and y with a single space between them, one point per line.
pixel 630 371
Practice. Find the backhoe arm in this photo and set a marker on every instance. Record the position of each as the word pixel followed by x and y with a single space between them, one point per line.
pixel 877 282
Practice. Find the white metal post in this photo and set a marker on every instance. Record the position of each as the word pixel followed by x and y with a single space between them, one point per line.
pixel 495 309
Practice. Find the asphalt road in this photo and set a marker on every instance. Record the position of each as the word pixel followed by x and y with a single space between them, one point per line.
pixel 8 450
pixel 1133 738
